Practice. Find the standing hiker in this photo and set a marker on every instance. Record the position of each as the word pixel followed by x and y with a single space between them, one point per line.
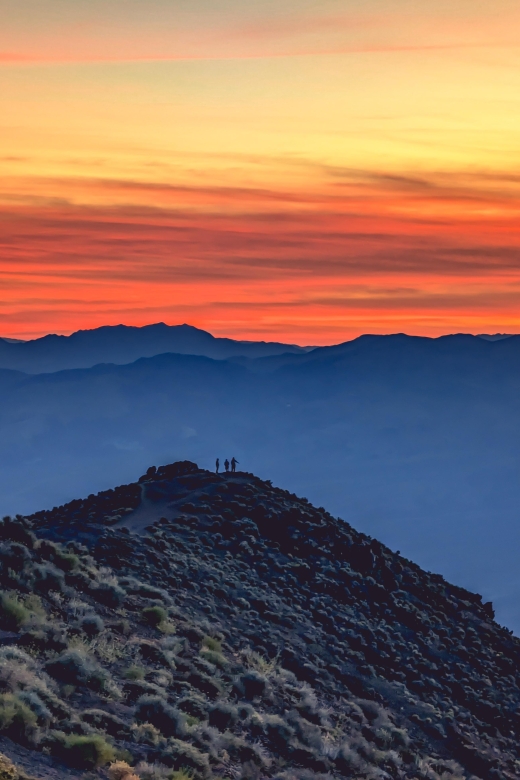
pixel 226 464
pixel 234 462
pixel 217 465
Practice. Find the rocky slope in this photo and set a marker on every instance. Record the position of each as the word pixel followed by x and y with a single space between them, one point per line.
pixel 216 626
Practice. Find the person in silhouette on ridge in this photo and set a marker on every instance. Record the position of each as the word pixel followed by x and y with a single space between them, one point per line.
pixel 226 464
pixel 217 465
pixel 234 462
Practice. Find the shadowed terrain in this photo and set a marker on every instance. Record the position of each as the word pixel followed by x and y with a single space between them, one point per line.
pixel 242 633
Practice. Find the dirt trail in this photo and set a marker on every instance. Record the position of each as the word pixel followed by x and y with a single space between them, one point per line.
pixel 149 512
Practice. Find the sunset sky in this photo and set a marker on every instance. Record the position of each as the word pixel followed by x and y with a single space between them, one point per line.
pixel 290 169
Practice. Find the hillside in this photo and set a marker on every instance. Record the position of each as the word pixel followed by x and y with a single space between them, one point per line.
pixel 213 624
pixel 125 344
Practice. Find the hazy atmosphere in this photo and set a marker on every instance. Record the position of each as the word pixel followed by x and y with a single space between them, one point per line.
pixel 259 390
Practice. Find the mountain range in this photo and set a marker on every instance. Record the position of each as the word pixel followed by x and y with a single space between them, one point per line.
pixel 124 344
pixel 193 624
pixel 412 440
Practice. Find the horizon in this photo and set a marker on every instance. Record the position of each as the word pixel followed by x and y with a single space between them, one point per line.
pixel 273 338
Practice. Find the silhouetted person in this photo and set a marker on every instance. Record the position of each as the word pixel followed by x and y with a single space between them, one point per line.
pixel 234 462
pixel 226 464
pixel 217 465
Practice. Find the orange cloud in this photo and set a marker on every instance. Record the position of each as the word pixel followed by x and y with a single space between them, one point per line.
pixel 365 252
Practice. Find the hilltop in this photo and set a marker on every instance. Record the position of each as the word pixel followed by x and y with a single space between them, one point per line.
pixel 217 625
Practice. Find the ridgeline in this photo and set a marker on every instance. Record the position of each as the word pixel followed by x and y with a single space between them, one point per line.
pixel 204 625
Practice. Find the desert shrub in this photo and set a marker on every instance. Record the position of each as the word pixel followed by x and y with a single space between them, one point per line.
pixel 14 556
pixel 15 675
pixel 371 709
pixel 66 561
pixel 217 659
pixel 36 705
pixel 46 549
pixel 154 616
pixel 240 750
pixel 134 672
pixel 87 751
pixel 212 644
pixel 137 588
pixel 120 770
pixel 16 718
pixel 191 632
pixel 168 719
pixel 34 604
pixel 180 774
pixel 308 733
pixel 348 762
pixel 222 715
pixel 79 580
pixel 136 689
pixel 206 684
pixel 58 708
pixel 44 638
pixel 183 756
pixel 195 706
pixel 74 668
pixel 156 654
pixel 104 721
pixel 160 772
pixel 108 593
pixel 278 731
pixel 122 627
pixel 400 738
pixel 146 734
pixel 92 625
pixel 161 677
pixel 50 551
pixel 18 674
pixel 47 577
pixel 14 653
pixel 13 613
pixel 7 769
pixel 251 685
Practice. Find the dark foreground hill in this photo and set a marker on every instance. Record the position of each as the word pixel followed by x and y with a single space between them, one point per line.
pixel 201 625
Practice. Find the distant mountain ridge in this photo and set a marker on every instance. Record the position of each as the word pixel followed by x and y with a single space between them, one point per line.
pixel 123 344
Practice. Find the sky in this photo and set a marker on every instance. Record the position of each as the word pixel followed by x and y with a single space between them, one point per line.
pixel 305 171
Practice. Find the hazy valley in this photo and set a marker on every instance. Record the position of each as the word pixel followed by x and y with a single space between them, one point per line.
pixel 412 440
